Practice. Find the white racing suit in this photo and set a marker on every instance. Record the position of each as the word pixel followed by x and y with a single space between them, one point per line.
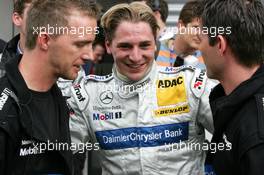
pixel 145 128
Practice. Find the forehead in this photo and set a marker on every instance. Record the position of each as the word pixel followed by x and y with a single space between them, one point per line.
pixel 80 26
pixel 128 31
pixel 80 20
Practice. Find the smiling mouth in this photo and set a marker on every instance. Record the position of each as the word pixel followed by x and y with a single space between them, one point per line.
pixel 135 66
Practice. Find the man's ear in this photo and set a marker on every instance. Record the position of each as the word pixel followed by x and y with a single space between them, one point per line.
pixel 17 19
pixel 180 24
pixel 107 46
pixel 221 44
pixel 43 41
pixel 157 14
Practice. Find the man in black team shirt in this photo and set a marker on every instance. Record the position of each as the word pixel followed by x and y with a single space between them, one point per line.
pixel 33 113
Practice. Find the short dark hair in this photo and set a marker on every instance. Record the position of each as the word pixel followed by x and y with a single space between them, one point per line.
pixel 44 13
pixel 161 6
pixel 246 19
pixel 19 5
pixel 191 10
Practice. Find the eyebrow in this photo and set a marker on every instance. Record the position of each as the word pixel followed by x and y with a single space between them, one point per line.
pixel 145 42
pixel 128 44
pixel 83 42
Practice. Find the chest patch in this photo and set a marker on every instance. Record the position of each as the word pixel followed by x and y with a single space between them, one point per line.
pixel 171 91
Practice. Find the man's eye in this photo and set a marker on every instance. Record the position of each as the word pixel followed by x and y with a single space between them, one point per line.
pixel 145 45
pixel 124 46
pixel 79 45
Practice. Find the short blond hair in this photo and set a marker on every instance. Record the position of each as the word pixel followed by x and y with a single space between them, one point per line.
pixel 134 12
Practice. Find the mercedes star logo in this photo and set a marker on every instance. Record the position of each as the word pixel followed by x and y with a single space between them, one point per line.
pixel 106 97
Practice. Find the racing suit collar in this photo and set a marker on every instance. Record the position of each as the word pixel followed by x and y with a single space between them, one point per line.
pixel 126 88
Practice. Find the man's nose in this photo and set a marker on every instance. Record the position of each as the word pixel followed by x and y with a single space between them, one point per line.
pixel 135 54
pixel 88 55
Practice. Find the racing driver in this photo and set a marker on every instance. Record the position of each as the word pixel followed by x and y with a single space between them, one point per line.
pixel 141 113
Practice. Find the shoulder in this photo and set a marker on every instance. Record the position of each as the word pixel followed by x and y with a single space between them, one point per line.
pixel 249 124
pixel 196 78
pixel 88 86
pixel 9 111
pixel 8 99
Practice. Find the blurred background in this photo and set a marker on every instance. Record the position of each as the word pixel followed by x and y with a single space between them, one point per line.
pixel 7 30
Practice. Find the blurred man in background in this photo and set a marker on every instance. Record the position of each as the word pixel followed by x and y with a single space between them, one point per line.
pixel 186 42
pixel 17 44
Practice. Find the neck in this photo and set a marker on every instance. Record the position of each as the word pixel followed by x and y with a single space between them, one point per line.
pixel 121 76
pixel 181 48
pixel 35 71
pixel 230 80
pixel 22 42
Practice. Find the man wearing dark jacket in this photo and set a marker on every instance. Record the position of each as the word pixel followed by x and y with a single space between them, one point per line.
pixel 234 55
pixel 34 128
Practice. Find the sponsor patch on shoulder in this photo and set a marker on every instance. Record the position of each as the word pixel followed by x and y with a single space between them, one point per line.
pixel 198 82
pixel 80 95
pixel 3 97
pixel 99 78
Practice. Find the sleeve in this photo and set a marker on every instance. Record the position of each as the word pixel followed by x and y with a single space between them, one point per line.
pixel 78 124
pixel 3 152
pixel 251 162
pixel 205 117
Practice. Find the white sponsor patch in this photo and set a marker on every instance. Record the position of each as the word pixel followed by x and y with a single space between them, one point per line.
pixel 3 97
pixel 26 142
pixel 80 95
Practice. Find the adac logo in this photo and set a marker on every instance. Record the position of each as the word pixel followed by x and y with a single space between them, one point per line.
pixel 171 91
pixel 107 116
pixel 199 80
pixel 170 83
pixel 106 97
pixel 77 89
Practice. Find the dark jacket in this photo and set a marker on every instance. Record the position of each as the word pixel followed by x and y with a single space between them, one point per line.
pixel 10 51
pixel 2 45
pixel 17 136
pixel 239 120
